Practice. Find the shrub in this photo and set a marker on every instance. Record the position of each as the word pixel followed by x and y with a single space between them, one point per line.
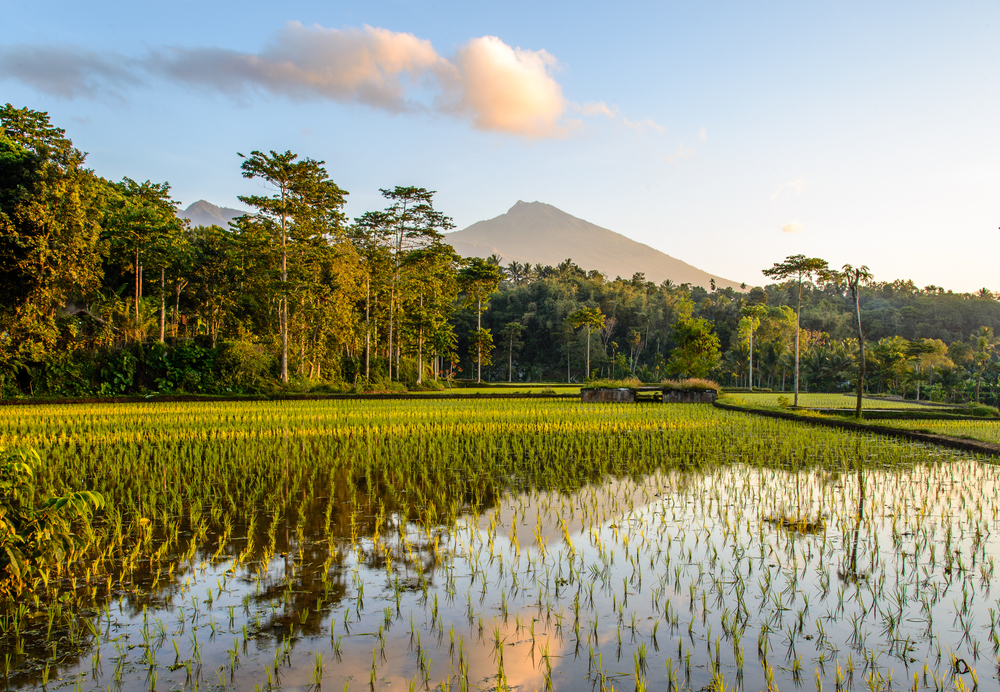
pixel 692 383
pixel 32 536
pixel 244 364
pixel 614 384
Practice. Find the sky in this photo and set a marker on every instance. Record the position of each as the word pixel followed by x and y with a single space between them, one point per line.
pixel 728 135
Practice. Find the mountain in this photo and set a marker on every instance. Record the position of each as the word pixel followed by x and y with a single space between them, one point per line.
pixel 542 234
pixel 203 213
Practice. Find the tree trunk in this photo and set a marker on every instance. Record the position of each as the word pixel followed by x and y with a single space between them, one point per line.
pixel 163 306
pixel 479 342
pixel 798 313
pixel 861 346
pixel 420 344
pixel 368 328
pixel 750 378
pixel 138 289
pixel 283 317
pixel 510 359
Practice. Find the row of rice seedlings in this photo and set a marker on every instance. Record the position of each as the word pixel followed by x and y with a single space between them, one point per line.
pixel 986 430
pixel 552 518
pixel 825 400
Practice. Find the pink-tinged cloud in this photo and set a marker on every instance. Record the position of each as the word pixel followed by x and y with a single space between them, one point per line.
pixel 368 65
pixel 507 89
pixel 494 86
pixel 792 227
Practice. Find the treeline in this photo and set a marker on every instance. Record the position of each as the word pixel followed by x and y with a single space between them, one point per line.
pixel 925 342
pixel 106 291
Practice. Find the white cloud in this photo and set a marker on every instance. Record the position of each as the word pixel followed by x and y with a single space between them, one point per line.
pixel 795 186
pixel 703 134
pixel 600 108
pixel 506 89
pixel 68 71
pixel 496 87
pixel 791 227
pixel 682 152
pixel 368 65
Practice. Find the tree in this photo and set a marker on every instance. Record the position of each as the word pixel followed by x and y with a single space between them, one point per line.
pixel 854 278
pixel 478 280
pixel 983 344
pixel 592 319
pixel 143 226
pixel 511 335
pixel 409 224
pixel 50 224
pixel 697 351
pixel 753 313
pixel 305 204
pixel 797 268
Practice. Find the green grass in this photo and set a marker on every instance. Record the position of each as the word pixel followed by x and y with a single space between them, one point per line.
pixel 812 400
pixel 987 430
pixel 512 388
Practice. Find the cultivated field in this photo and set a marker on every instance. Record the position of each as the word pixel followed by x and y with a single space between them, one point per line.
pixel 811 400
pixel 987 430
pixel 501 544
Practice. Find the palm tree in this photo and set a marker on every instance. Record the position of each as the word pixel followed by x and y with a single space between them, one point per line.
pixel 983 344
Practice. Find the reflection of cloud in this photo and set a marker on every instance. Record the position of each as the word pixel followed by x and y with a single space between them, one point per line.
pixel 795 186
pixel 792 227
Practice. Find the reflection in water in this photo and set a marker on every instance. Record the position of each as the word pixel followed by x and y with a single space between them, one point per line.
pixel 672 577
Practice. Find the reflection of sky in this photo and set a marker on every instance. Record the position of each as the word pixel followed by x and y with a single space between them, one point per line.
pixel 686 555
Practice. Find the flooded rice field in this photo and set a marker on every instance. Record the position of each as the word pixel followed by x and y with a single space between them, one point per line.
pixel 526 545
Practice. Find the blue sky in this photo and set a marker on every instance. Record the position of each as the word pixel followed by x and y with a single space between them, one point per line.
pixel 727 135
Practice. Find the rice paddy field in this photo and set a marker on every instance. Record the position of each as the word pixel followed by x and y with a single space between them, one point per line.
pixel 986 430
pixel 503 544
pixel 820 400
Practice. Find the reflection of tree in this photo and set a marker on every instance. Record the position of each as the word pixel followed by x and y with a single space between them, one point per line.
pixel 852 574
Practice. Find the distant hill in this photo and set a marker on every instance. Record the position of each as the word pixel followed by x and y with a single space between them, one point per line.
pixel 203 213
pixel 542 234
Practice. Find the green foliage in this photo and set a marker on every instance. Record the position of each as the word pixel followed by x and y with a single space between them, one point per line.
pixel 36 532
pixel 609 383
pixel 244 364
pixel 697 352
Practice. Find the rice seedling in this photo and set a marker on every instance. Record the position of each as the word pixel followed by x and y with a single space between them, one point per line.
pixel 276 524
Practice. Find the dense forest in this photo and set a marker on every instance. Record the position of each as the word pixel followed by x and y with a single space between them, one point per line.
pixel 106 292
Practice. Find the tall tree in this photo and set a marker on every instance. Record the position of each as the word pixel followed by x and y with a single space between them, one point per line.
pixel 854 278
pixel 983 345
pixel 410 223
pixel 143 226
pixel 511 335
pixel 753 313
pixel 592 319
pixel 305 204
pixel 797 268
pixel 478 280
pixel 50 224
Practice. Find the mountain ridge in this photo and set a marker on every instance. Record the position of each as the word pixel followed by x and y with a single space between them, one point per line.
pixel 540 233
